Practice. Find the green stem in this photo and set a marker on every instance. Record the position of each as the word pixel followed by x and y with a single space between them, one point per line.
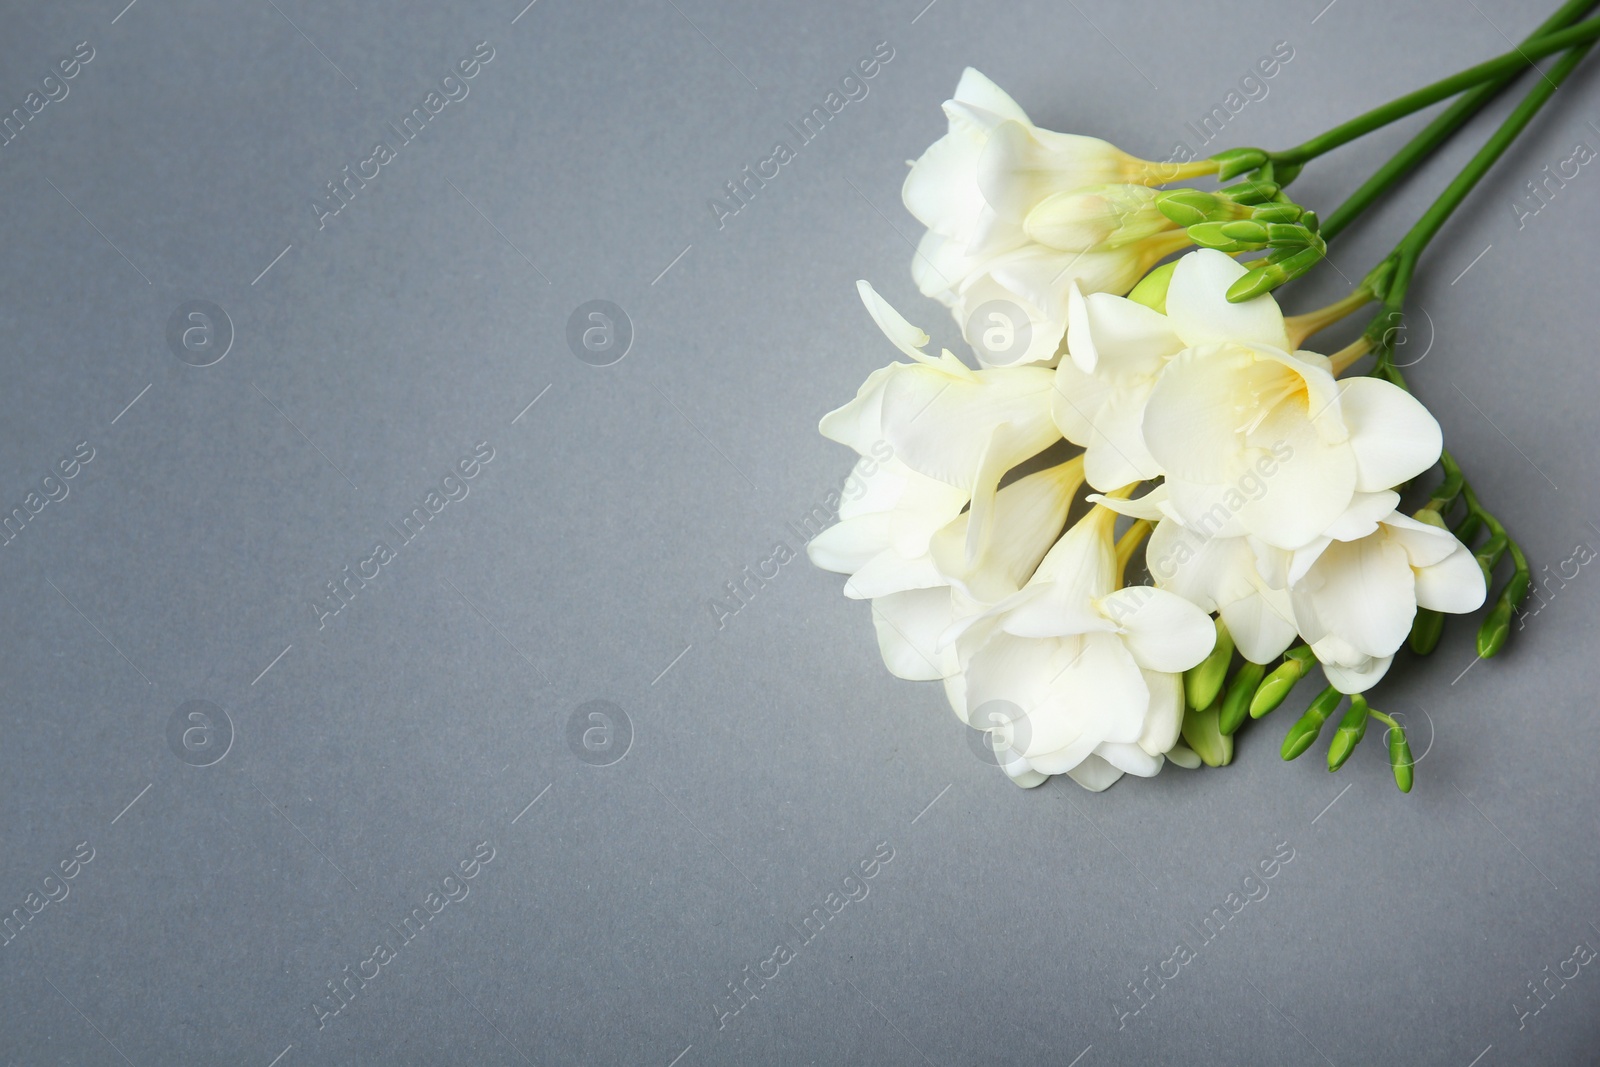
pixel 1515 60
pixel 1391 278
pixel 1436 132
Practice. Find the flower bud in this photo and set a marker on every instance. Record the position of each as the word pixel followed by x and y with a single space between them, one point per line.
pixel 1400 761
pixel 1204 682
pixel 1200 733
pixel 1188 207
pixel 1425 631
pixel 1247 231
pixel 1152 288
pixel 1431 517
pixel 1497 627
pixel 1272 692
pixel 1352 728
pixel 1240 693
pixel 1305 730
pixel 1235 161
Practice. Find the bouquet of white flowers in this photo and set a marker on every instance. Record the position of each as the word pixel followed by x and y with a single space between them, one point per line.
pixel 1260 480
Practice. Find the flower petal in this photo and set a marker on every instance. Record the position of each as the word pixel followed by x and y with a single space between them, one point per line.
pixel 1197 304
pixel 908 626
pixel 1095 774
pixel 1393 435
pixel 1455 584
pixel 1162 630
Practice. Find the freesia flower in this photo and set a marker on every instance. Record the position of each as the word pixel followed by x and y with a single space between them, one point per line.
pixel 1017 214
pixel 941 418
pixel 1208 391
pixel 1356 593
pixel 1091 674
pixel 951 434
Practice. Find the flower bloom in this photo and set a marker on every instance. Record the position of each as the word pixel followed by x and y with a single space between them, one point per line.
pixel 1017 214
pixel 1351 594
pixel 1355 594
pixel 935 438
pixel 1084 678
pixel 1203 394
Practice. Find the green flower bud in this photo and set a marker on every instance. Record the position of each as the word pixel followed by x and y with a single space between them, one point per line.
pixel 1276 212
pixel 1352 728
pixel 1247 232
pixel 1274 273
pixel 1431 517
pixel 1489 554
pixel 1210 235
pixel 1275 689
pixel 1152 288
pixel 1200 733
pixel 1291 235
pixel 1188 207
pixel 1251 191
pixel 1204 682
pixel 1305 730
pixel 1240 693
pixel 1425 631
pixel 1497 627
pixel 1400 761
pixel 1235 161
pixel 1469 527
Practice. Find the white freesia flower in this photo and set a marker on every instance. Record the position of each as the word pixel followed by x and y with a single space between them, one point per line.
pixel 1351 594
pixel 883 534
pixel 1017 214
pixel 1355 594
pixel 941 418
pixel 907 545
pixel 1237 395
pixel 1091 675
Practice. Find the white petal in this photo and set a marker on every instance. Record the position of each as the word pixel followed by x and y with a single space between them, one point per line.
pixel 908 626
pixel 1361 518
pixel 1262 624
pixel 1454 584
pixel 942 424
pixel 1362 592
pixel 906 337
pixel 1095 774
pixel 1130 758
pixel 1359 677
pixel 1164 719
pixel 849 544
pixel 1183 756
pixel 1394 437
pixel 1197 304
pixel 1163 631
pixel 1028 516
pixel 978 90
pixel 1116 454
pixel 1120 338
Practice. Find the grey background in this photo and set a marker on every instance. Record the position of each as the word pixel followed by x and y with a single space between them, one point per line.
pixel 772 755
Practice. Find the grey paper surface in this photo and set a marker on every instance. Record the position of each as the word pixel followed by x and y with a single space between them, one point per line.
pixel 343 765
